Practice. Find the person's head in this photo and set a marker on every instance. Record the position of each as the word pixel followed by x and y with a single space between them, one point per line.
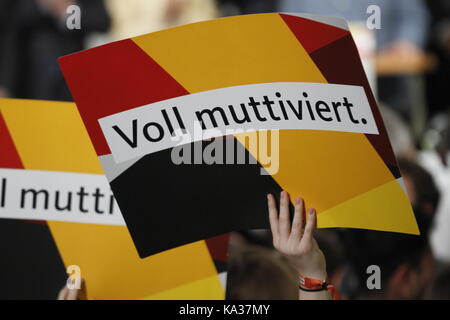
pixel 261 274
pixel 404 261
pixel 400 135
pixel 422 190
pixel 441 285
pixel 443 148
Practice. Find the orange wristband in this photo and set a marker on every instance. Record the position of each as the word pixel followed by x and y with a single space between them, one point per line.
pixel 312 285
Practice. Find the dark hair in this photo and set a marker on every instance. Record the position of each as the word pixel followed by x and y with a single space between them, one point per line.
pixel 387 250
pixel 444 144
pixel 425 188
pixel 441 285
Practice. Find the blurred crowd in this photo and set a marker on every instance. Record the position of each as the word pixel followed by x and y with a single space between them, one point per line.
pixel 410 71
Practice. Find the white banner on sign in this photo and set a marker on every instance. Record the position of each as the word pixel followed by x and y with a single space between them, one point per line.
pixel 256 107
pixel 57 196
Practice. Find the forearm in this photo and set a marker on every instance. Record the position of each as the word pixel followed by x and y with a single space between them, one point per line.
pixel 297 243
pixel 319 295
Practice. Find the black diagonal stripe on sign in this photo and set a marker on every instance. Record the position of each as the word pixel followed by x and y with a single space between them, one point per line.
pixel 167 205
pixel 31 266
pixel 221 266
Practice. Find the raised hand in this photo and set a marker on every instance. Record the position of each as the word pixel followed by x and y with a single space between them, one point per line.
pixel 296 241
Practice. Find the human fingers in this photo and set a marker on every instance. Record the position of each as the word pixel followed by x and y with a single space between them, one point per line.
pixel 62 294
pixel 73 294
pixel 310 225
pixel 297 222
pixel 284 223
pixel 273 217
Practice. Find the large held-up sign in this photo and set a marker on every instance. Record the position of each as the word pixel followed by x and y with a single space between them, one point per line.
pixel 49 172
pixel 194 125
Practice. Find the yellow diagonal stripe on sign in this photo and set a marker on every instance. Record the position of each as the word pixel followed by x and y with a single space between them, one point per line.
pixel 385 208
pixel 50 136
pixel 326 168
pixel 193 291
pixel 231 51
pixel 109 261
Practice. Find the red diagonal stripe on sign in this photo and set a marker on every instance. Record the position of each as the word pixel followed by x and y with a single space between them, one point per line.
pixel 349 70
pixel 9 157
pixel 218 247
pixel 116 77
pixel 312 34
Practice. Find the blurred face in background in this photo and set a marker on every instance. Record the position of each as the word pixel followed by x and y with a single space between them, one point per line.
pixel 410 189
pixel 408 281
pixel 425 207
pixel 412 282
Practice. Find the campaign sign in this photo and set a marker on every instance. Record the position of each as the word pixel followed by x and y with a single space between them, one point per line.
pixel 194 125
pixel 53 186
